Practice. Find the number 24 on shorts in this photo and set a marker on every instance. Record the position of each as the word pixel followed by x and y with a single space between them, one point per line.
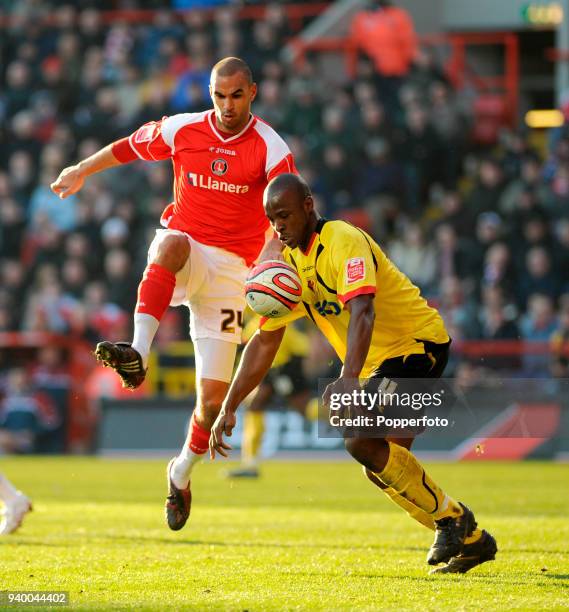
pixel 229 318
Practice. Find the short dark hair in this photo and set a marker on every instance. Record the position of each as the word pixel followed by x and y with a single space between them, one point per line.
pixel 229 66
pixel 285 182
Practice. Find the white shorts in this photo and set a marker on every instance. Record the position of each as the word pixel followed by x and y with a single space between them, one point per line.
pixel 211 285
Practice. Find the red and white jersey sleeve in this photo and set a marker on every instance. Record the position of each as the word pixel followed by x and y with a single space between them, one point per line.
pixel 219 178
pixel 279 159
pixel 154 140
pixel 148 142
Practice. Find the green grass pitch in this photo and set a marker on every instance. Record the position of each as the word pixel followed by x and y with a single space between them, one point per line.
pixel 312 536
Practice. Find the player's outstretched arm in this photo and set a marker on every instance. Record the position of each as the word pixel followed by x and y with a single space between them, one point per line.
pixel 71 179
pixel 255 362
pixel 360 330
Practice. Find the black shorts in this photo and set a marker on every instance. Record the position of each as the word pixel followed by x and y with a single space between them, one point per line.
pixel 430 364
pixel 413 379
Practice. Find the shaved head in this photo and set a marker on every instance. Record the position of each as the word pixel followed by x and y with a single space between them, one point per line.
pixel 290 209
pixel 285 183
pixel 229 66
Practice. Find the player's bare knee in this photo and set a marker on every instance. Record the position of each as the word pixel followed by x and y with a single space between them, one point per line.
pixel 172 252
pixel 356 448
pixel 371 453
pixel 206 413
pixel 211 394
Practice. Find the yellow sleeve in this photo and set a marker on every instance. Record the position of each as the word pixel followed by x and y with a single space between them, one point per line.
pixel 251 325
pixel 267 324
pixel 355 268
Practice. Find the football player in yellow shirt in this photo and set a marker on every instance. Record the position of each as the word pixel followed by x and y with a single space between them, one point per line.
pixel 381 327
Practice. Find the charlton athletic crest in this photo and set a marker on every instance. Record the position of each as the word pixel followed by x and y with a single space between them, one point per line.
pixel 219 167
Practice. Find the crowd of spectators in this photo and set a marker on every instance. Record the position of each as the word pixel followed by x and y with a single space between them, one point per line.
pixel 483 231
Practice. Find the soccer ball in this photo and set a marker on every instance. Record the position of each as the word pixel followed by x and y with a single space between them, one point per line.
pixel 273 288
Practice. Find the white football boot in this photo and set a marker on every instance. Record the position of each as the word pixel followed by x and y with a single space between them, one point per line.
pixel 14 512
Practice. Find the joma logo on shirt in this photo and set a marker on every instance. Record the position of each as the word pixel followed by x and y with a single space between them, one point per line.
pixel 206 182
pixel 325 308
pixel 224 151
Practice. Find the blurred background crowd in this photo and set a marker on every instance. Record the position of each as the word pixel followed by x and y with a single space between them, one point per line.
pixel 483 230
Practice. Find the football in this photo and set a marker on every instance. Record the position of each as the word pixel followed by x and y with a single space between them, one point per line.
pixel 273 288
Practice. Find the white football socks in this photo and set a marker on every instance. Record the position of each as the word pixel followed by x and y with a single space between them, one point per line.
pixel 183 465
pixel 145 328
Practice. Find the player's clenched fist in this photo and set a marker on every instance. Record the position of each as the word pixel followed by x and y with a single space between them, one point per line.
pixel 224 424
pixel 68 182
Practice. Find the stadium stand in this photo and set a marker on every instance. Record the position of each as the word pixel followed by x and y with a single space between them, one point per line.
pixel 483 229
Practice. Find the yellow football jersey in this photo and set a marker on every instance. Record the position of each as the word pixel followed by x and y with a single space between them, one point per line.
pixel 342 262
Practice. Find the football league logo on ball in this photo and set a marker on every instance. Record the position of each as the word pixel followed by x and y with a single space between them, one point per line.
pixel 219 167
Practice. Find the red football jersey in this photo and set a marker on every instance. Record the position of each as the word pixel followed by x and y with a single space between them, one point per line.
pixel 218 179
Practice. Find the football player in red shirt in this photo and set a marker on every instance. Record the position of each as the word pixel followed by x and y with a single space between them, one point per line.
pixel 214 230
